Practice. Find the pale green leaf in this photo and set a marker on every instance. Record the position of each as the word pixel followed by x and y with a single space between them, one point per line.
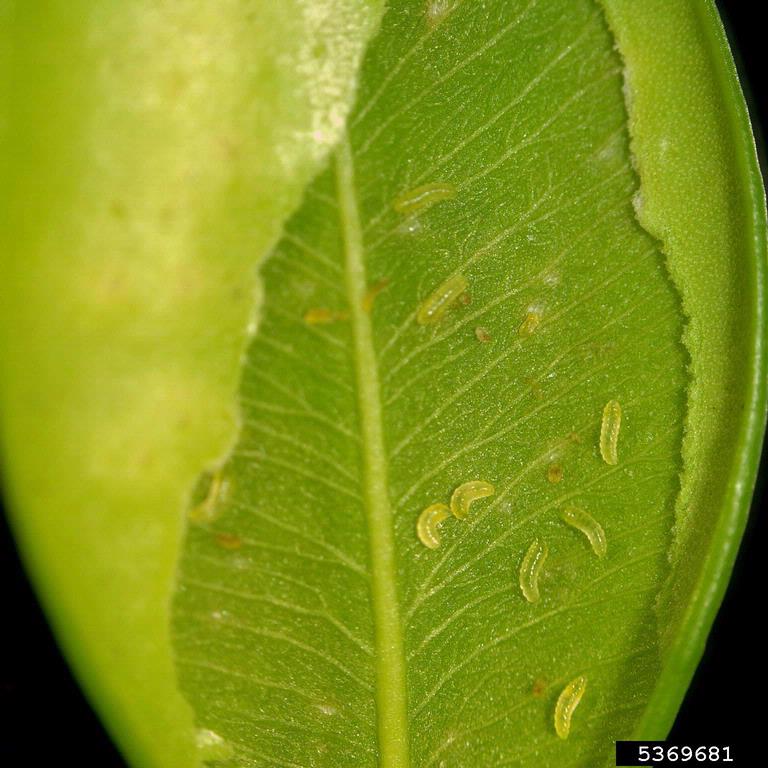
pixel 312 627
pixel 593 200
pixel 150 153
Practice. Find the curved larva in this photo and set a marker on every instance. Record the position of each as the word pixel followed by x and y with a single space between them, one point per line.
pixel 428 522
pixel 566 704
pixel 609 432
pixel 584 522
pixel 530 569
pixel 439 301
pixel 425 196
pixel 468 492
pixel 210 489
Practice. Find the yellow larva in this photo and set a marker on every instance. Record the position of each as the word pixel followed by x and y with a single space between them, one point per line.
pixel 530 324
pixel 209 490
pixel 428 522
pixel 530 569
pixel 425 196
pixel 609 432
pixel 439 301
pixel 468 492
pixel 566 704
pixel 584 522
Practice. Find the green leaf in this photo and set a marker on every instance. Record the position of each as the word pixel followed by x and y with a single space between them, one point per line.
pixel 312 626
pixel 589 173
pixel 708 208
pixel 150 153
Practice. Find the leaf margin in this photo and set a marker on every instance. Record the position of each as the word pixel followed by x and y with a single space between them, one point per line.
pixel 699 28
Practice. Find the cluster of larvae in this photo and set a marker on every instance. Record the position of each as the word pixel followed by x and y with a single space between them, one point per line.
pixel 431 311
pixel 427 526
pixel 536 555
pixel 534 559
pixel 434 307
pixel 409 204
pixel 453 290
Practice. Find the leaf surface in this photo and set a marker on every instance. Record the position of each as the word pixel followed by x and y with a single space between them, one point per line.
pixel 150 153
pixel 311 625
pixel 708 210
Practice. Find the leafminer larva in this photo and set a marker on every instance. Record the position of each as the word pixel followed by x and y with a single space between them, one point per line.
pixel 482 335
pixel 209 490
pixel 425 196
pixel 584 522
pixel 323 316
pixel 566 704
pixel 609 432
pixel 530 569
pixel 439 301
pixel 468 492
pixel 530 323
pixel 428 522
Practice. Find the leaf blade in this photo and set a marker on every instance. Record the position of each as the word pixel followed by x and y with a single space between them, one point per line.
pixel 143 179
pixel 565 244
pixel 716 246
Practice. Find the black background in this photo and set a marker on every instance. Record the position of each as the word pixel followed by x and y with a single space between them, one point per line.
pixel 44 717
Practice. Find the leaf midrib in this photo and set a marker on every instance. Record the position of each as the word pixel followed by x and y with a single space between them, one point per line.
pixel 389 651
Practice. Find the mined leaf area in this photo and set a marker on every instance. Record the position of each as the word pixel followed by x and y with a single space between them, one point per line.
pixel 311 625
pixel 149 155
